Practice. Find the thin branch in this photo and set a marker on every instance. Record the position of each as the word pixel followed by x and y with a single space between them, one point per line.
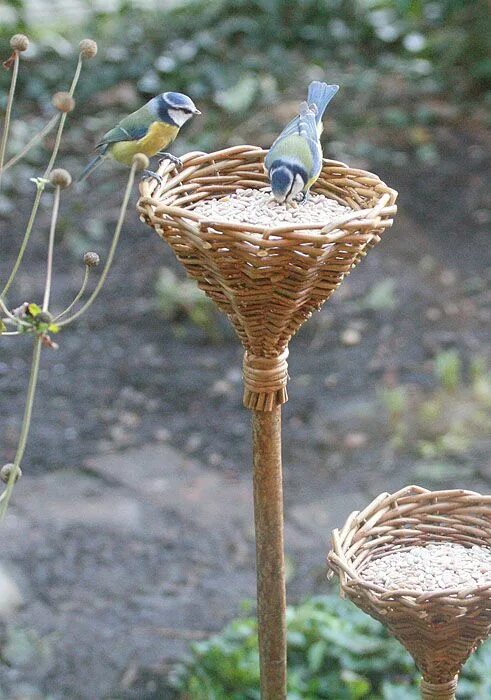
pixel 112 249
pixel 26 423
pixel 80 292
pixel 27 234
pixel 63 119
pixel 35 139
pixel 7 312
pixel 51 244
pixel 40 184
pixel 8 112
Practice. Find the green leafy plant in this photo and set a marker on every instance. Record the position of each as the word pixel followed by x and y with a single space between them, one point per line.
pixel 442 422
pixel 182 298
pixel 237 57
pixel 448 369
pixel 334 651
pixel 382 296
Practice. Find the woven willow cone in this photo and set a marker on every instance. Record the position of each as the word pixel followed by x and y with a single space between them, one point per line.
pixel 440 629
pixel 268 280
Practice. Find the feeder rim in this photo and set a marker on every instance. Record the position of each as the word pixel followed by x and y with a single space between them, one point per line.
pixel 340 561
pixel 364 218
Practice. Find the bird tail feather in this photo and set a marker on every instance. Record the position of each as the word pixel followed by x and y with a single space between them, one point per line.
pixel 94 163
pixel 320 94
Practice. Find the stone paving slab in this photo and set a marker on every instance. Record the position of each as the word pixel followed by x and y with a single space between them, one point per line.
pixel 115 568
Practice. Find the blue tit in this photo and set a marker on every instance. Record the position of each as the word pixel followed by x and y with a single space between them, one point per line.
pixel 148 130
pixel 294 161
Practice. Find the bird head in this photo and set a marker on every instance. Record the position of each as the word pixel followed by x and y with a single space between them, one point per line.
pixel 175 108
pixel 287 180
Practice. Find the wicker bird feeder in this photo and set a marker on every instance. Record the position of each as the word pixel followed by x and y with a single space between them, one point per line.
pixel 439 628
pixel 268 280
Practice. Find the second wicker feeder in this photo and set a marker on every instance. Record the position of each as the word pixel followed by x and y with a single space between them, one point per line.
pixel 441 628
pixel 268 280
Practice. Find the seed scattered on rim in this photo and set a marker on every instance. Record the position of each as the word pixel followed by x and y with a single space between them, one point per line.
pixel 6 471
pixel 91 259
pixel 141 161
pixel 60 178
pixel 19 42
pixel 63 101
pixel 88 48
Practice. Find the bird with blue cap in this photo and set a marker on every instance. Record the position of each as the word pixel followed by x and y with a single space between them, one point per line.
pixel 294 161
pixel 149 130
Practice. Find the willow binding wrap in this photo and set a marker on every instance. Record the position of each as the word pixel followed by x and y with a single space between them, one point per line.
pixel 440 629
pixel 267 280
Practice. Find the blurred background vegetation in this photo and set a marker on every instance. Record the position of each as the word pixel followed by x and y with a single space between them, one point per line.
pixel 404 65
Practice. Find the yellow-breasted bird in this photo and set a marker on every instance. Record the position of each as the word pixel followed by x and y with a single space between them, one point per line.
pixel 294 161
pixel 148 130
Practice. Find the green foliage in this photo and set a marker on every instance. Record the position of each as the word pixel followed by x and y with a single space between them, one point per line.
pixel 395 401
pixel 181 299
pixel 334 651
pixel 382 295
pixel 445 421
pixel 395 60
pixel 448 369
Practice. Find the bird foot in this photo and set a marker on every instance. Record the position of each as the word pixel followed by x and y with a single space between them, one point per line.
pixel 147 174
pixel 303 197
pixel 173 159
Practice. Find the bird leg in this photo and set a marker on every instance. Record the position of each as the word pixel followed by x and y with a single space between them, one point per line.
pixel 302 197
pixel 149 173
pixel 168 156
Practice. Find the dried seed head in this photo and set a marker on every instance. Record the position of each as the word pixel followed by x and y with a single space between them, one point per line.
pixel 88 48
pixel 6 471
pixel 63 101
pixel 91 259
pixel 141 161
pixel 60 178
pixel 44 317
pixel 19 42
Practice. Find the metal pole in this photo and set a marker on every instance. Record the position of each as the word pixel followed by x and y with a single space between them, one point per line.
pixel 268 519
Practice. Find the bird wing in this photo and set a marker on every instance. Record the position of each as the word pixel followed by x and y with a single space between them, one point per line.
pixel 299 139
pixel 132 128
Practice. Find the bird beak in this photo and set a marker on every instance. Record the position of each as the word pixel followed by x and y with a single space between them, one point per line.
pixel 279 198
pixel 196 111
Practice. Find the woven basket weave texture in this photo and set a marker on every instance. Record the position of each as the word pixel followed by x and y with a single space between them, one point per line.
pixel 440 628
pixel 268 280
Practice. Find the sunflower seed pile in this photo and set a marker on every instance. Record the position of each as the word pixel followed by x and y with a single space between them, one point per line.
pixel 257 207
pixel 431 568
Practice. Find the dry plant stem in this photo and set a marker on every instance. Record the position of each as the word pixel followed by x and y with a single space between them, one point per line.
pixel 26 423
pixel 79 294
pixel 268 518
pixel 25 240
pixel 8 112
pixel 40 185
pixel 35 139
pixel 63 119
pixel 10 316
pixel 112 250
pixel 51 245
